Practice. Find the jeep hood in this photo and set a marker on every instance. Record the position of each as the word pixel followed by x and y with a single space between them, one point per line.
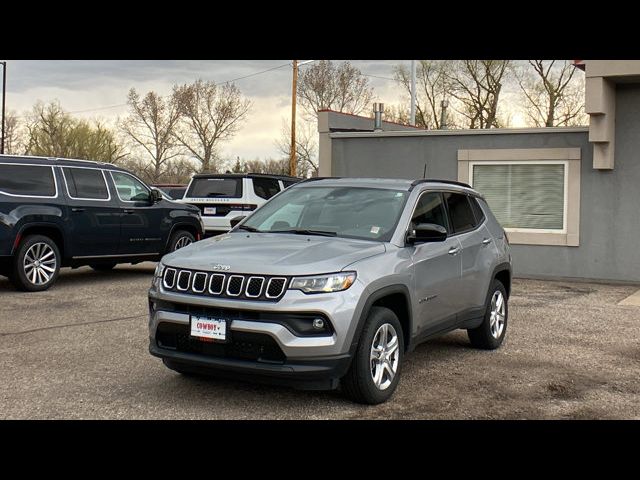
pixel 273 253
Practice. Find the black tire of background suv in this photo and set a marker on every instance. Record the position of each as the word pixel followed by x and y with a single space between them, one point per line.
pixel 18 277
pixel 357 384
pixel 176 236
pixel 103 267
pixel 481 337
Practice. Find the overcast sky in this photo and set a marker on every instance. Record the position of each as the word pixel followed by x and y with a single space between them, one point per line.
pixel 98 89
pixel 87 87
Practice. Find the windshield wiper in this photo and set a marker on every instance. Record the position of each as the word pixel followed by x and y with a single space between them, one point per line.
pixel 306 232
pixel 249 229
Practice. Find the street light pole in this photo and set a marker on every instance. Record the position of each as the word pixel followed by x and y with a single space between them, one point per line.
pixel 412 118
pixel 294 94
pixel 4 94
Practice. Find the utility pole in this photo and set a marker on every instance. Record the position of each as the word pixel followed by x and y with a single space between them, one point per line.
pixel 412 118
pixel 4 94
pixel 294 94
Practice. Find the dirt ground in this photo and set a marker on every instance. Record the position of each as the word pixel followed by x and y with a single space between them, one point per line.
pixel 80 351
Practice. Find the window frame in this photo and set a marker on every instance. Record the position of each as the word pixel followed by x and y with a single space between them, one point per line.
pixel 104 177
pixel 572 156
pixel 111 172
pixel 565 200
pixel 53 173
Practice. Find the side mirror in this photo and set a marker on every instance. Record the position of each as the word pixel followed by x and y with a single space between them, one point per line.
pixel 236 220
pixel 156 196
pixel 427 232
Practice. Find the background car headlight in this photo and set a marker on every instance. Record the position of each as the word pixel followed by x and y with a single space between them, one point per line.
pixel 333 282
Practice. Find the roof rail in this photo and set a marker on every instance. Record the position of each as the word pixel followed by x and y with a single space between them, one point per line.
pixel 313 179
pixel 438 180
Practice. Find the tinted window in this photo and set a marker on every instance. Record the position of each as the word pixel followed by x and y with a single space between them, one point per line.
pixel 27 180
pixel 130 189
pixel 265 187
pixel 86 183
pixel 288 183
pixel 477 211
pixel 215 187
pixel 460 212
pixel 430 209
pixel 176 193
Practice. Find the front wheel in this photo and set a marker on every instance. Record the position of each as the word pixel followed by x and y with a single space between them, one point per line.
pixel 375 369
pixel 36 264
pixel 491 332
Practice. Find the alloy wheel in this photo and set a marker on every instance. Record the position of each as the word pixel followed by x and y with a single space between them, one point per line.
pixel 497 317
pixel 384 356
pixel 39 263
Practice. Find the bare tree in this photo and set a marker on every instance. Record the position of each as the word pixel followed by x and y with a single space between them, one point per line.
pixel 53 132
pixel 150 125
pixel 433 86
pixel 13 134
pixel 210 114
pixel 306 147
pixel 325 85
pixel 554 95
pixel 477 84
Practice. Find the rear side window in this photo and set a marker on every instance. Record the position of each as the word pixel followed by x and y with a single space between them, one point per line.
pixel 215 187
pixel 86 183
pixel 477 211
pixel 265 187
pixel 460 212
pixel 30 180
pixel 288 183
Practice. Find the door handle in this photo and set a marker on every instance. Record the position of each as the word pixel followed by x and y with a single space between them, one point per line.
pixel 129 210
pixel 77 209
pixel 486 241
pixel 453 251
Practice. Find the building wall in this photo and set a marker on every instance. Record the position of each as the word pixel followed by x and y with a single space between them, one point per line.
pixel 609 199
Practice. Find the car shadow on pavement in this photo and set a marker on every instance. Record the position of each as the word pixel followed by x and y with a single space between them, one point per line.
pixel 83 275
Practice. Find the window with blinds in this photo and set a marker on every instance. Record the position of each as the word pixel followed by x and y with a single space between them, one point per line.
pixel 523 196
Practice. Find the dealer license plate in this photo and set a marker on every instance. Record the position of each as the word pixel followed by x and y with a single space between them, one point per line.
pixel 209 210
pixel 205 327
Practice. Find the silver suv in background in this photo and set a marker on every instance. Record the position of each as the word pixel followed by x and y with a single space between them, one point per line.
pixel 332 282
pixel 222 197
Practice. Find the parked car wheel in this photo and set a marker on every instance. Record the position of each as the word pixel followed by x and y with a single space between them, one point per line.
pixel 103 267
pixel 490 334
pixel 180 239
pixel 36 264
pixel 375 369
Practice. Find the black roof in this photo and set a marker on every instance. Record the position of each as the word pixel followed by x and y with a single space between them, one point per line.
pixel 62 162
pixel 246 175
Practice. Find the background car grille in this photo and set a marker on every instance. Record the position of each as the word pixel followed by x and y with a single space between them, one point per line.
pixel 225 285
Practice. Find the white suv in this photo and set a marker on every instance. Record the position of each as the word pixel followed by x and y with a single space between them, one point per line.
pixel 222 197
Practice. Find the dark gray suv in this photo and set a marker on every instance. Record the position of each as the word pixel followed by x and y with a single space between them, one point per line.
pixel 332 282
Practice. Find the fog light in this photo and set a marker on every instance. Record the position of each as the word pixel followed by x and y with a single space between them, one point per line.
pixel 318 323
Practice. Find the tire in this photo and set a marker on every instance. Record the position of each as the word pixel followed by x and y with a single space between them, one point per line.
pixel 489 335
pixel 103 267
pixel 36 256
pixel 179 239
pixel 358 384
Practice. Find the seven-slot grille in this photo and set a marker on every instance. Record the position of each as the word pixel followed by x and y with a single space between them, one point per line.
pixel 225 285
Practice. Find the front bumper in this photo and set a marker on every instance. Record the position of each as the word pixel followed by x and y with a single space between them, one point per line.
pixel 307 360
pixel 314 374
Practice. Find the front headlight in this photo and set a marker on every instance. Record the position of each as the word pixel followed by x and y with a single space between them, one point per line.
pixel 332 282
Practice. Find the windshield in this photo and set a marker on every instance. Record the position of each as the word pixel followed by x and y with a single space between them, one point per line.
pixel 351 212
pixel 215 187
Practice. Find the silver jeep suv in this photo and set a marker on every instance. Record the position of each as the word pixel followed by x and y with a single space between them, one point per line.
pixel 332 282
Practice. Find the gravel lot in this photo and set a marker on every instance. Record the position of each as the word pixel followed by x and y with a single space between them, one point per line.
pixel 80 351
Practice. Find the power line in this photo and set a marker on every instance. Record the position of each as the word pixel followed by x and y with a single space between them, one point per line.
pixel 167 96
